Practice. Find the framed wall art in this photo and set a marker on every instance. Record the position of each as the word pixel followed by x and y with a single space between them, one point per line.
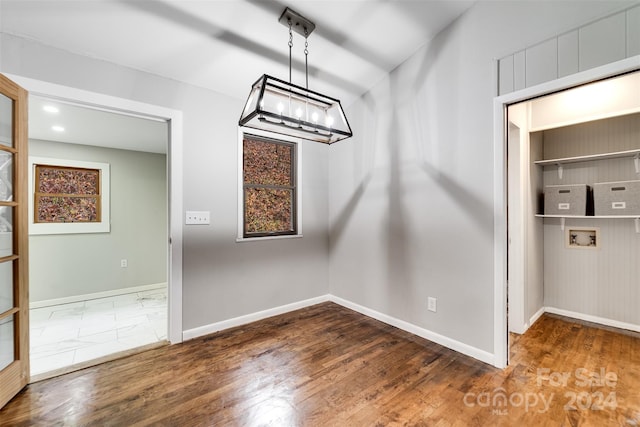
pixel 68 196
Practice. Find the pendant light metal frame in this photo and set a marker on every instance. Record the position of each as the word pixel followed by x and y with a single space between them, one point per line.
pixel 265 105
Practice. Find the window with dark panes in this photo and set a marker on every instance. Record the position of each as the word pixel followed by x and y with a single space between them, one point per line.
pixel 269 187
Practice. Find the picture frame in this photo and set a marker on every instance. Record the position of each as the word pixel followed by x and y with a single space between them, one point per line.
pixel 86 207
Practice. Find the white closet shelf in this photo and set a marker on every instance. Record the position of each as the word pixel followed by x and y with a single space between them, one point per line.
pixel 589 216
pixel 564 217
pixel 604 156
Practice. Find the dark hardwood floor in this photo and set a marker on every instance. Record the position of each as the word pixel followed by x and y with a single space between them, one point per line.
pixel 328 366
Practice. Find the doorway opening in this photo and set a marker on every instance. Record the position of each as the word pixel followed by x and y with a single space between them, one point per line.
pixel 573 242
pixel 95 293
pixel 174 185
pixel 502 238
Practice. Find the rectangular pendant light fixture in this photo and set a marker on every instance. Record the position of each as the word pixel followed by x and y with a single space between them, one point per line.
pixel 278 106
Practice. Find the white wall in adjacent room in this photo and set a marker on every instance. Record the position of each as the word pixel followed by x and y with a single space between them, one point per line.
pixel 65 265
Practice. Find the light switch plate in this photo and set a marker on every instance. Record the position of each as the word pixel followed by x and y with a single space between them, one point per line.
pixel 197 217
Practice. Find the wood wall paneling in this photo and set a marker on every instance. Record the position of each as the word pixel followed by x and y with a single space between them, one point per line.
pixel 568 62
pixel 633 32
pixel 603 282
pixel 597 43
pixel 602 42
pixel 541 62
pixel 505 75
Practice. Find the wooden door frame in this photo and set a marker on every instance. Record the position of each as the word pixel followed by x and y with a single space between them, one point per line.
pixel 500 133
pixel 174 174
pixel 16 374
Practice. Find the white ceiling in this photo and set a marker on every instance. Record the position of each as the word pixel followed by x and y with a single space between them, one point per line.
pixel 88 126
pixel 225 45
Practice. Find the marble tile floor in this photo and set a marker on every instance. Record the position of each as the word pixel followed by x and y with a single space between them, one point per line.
pixel 69 334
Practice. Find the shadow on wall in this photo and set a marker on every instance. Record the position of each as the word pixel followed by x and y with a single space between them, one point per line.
pixel 420 118
pixel 324 30
pixel 367 152
pixel 375 115
pixel 195 23
pixel 475 208
pixel 429 138
pixel 341 222
pixel 399 271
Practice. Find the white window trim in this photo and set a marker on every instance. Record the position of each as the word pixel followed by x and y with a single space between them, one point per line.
pixel 297 141
pixel 104 226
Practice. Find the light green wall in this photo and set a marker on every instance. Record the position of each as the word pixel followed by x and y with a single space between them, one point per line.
pixel 78 264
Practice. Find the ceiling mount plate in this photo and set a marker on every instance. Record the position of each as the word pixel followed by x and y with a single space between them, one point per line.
pixel 298 22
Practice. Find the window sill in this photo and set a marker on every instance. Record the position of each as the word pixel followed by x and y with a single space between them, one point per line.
pixel 258 239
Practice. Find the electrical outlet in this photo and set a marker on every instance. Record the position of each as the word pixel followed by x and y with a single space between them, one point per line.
pixel 432 304
pixel 124 263
pixel 197 217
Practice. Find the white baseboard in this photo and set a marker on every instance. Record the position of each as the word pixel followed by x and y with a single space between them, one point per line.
pixel 536 316
pixel 594 319
pixel 401 324
pixel 248 318
pixel 95 295
pixel 465 349
pixel 521 329
pixel 516 329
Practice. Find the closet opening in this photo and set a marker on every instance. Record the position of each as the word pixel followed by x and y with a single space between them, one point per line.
pixel 573 198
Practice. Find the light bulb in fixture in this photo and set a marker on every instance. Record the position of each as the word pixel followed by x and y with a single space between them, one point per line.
pixel 57 128
pixel 299 116
pixel 314 117
pixel 329 121
pixel 280 108
pixel 51 109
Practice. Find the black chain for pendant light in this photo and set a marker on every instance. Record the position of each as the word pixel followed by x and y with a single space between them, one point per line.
pixel 306 55
pixel 290 46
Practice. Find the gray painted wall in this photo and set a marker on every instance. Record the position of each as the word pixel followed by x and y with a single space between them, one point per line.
pixel 63 265
pixel 412 193
pixel 410 197
pixel 222 279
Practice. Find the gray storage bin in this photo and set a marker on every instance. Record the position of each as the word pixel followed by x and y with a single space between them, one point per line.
pixel 566 200
pixel 617 198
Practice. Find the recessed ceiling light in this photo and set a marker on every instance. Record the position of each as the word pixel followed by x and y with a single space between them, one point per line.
pixel 51 109
pixel 57 128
